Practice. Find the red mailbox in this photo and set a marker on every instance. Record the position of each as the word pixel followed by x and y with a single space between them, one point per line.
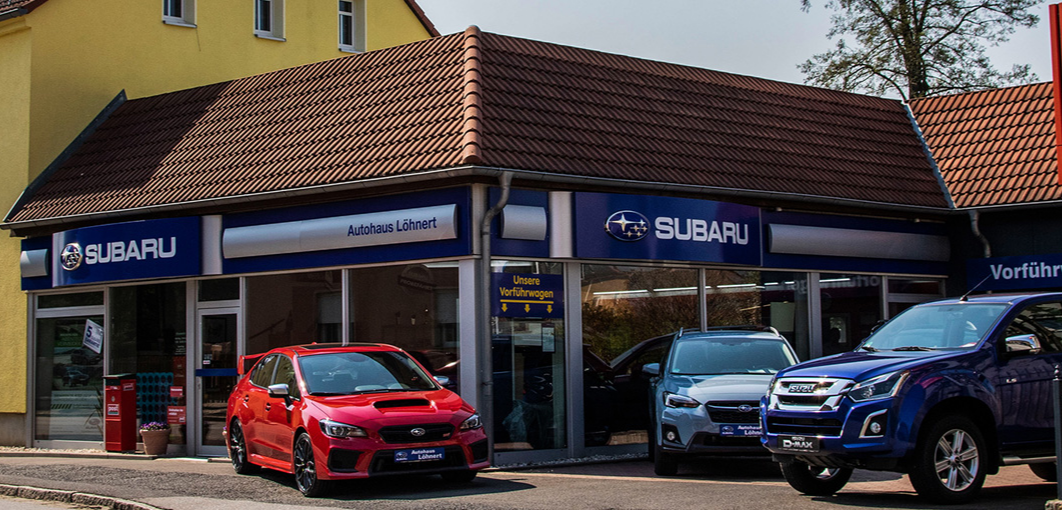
pixel 119 411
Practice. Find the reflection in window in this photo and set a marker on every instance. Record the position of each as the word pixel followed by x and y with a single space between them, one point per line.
pixel 69 382
pixel 851 308
pixel 288 309
pixel 413 307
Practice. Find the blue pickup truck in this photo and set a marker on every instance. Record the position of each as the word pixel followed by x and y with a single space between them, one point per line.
pixel 946 392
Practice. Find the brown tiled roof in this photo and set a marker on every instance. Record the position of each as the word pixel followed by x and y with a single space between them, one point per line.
pixel 495 102
pixel 995 147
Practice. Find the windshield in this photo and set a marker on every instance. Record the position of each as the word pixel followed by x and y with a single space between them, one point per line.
pixel 349 373
pixel 718 356
pixel 955 326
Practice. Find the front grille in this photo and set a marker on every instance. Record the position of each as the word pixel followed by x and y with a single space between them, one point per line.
pixel 733 411
pixel 383 462
pixel 404 433
pixel 343 460
pixel 803 400
pixel 804 426
pixel 809 393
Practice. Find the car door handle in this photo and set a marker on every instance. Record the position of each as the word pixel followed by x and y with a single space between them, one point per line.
pixel 246 398
pixel 268 405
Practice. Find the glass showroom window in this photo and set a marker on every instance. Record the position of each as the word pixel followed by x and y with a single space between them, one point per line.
pixel 68 387
pixel 413 307
pixel 764 298
pixel 851 307
pixel 529 371
pixel 624 309
pixel 149 338
pixel 292 309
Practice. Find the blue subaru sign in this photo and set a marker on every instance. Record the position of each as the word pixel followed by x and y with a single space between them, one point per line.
pixel 662 228
pixel 164 248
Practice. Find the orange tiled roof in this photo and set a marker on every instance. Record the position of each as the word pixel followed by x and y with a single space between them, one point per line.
pixel 994 147
pixel 491 101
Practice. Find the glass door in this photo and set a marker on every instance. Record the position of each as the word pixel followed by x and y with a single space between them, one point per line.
pixel 215 375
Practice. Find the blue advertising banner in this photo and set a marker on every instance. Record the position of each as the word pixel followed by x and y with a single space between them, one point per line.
pixel 663 228
pixel 527 295
pixel 1015 273
pixel 127 251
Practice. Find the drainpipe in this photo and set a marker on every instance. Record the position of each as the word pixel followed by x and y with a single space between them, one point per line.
pixel 484 355
pixel 975 227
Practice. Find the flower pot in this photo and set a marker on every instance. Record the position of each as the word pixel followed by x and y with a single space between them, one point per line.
pixel 155 441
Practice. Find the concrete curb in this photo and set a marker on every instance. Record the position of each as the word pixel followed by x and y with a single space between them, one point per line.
pixel 77 498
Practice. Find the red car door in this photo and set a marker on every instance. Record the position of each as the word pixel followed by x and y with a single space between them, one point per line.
pixel 254 397
pixel 277 427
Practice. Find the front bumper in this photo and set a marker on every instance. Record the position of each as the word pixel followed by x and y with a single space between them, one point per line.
pixel 691 431
pixel 352 458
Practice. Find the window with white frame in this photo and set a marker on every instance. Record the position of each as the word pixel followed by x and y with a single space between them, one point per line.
pixel 269 19
pixel 352 25
pixel 178 12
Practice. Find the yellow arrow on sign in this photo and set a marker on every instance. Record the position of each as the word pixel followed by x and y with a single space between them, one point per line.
pixel 505 306
pixel 527 308
pixel 549 308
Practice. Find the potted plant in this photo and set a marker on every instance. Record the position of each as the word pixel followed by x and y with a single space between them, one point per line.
pixel 156 436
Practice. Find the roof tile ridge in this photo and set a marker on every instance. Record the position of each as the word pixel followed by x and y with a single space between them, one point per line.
pixel 470 98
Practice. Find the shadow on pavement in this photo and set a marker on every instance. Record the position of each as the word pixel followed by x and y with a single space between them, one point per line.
pixel 997 498
pixel 404 488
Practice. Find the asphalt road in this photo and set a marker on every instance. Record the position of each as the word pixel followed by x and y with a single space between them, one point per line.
pixel 179 484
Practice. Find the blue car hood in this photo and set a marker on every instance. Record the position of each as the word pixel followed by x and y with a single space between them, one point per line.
pixel 861 365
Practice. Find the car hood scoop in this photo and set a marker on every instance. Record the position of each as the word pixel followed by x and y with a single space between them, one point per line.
pixel 403 402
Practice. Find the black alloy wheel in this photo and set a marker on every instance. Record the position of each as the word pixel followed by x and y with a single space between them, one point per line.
pixel 815 480
pixel 238 450
pixel 305 469
pixel 949 466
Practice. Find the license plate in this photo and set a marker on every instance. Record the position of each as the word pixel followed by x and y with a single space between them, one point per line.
pixel 740 430
pixel 420 454
pixel 798 443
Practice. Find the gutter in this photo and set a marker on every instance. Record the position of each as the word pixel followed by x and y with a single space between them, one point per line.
pixel 13 13
pixel 472 171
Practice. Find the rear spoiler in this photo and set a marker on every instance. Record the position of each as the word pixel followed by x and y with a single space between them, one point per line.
pixel 246 362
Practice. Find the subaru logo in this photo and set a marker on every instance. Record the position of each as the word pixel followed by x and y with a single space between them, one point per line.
pixel 418 432
pixel 70 258
pixel 744 408
pixel 627 226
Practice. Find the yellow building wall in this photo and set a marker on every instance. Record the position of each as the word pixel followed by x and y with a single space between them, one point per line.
pixel 83 53
pixel 15 42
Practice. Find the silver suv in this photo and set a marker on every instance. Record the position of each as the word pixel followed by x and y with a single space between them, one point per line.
pixel 705 395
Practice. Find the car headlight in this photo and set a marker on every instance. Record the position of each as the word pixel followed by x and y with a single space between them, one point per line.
pixel 337 429
pixel 676 400
pixel 770 387
pixel 473 422
pixel 882 386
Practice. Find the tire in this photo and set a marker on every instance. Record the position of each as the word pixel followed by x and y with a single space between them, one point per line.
pixel 238 450
pixel 1046 470
pixel 464 476
pixel 815 480
pixel 664 464
pixel 305 468
pixel 949 465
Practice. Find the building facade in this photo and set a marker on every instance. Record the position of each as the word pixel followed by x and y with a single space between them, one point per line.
pixel 346 201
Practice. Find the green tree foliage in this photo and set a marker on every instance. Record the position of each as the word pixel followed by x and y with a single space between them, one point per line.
pixel 918 48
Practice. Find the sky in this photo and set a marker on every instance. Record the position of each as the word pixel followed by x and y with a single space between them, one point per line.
pixel 762 38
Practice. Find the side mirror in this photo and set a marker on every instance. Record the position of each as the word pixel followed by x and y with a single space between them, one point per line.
pixel 442 380
pixel 651 369
pixel 1023 344
pixel 279 391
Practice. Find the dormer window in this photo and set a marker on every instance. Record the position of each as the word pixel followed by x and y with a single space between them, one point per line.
pixel 269 19
pixel 178 12
pixel 352 25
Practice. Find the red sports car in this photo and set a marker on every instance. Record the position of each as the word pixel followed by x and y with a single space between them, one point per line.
pixel 327 412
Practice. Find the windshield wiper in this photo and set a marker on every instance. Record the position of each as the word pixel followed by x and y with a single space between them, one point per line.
pixel 871 349
pixel 914 348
